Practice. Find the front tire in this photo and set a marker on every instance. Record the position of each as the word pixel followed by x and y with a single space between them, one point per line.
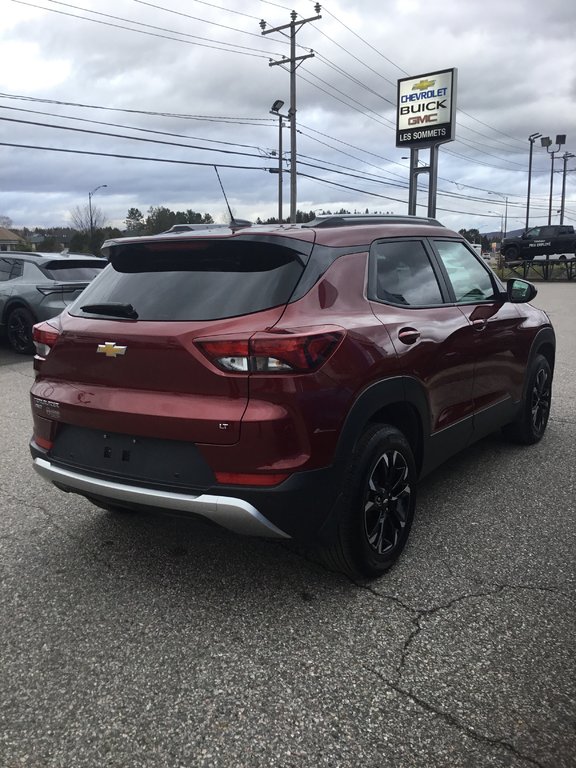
pixel 530 427
pixel 512 253
pixel 376 510
pixel 19 330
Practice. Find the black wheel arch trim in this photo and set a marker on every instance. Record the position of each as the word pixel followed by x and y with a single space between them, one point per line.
pixel 379 395
pixel 544 343
pixel 16 302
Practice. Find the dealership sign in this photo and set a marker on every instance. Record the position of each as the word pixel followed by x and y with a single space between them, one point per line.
pixel 426 109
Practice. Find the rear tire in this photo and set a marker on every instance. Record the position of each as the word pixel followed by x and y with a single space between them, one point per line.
pixel 19 330
pixel 376 510
pixel 531 425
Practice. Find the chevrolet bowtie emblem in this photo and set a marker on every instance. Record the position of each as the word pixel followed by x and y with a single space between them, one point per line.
pixel 111 349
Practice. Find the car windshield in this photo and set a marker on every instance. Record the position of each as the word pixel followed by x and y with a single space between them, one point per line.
pixel 70 270
pixel 196 280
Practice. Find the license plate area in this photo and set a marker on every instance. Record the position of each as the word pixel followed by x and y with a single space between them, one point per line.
pixel 146 460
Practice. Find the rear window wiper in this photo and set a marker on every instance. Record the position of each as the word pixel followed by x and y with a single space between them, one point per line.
pixel 112 309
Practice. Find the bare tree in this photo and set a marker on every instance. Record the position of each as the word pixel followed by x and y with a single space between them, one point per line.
pixel 5 221
pixel 80 218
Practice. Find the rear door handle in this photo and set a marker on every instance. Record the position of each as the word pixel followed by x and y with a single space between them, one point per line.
pixel 408 335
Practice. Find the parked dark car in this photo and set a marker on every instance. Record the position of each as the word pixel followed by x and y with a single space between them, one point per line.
pixel 288 381
pixel 36 286
pixel 555 241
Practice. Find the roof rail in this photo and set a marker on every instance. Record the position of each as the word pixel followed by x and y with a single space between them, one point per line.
pixel 184 228
pixel 355 219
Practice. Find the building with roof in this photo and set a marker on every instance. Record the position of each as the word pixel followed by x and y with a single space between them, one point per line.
pixel 9 241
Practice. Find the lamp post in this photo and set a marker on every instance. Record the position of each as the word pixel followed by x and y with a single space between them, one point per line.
pixel 532 138
pixel 546 141
pixel 565 157
pixel 275 110
pixel 90 194
pixel 502 225
pixel 505 218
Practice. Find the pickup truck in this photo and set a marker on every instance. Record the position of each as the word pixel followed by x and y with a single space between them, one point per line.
pixel 552 240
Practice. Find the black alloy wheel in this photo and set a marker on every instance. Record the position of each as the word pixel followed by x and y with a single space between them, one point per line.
pixel 533 419
pixel 512 253
pixel 387 502
pixel 374 512
pixel 19 331
pixel 541 398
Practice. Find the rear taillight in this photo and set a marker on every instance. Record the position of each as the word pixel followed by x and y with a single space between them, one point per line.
pixel 285 352
pixel 44 337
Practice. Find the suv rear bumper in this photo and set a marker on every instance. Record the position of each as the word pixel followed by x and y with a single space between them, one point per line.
pixel 234 514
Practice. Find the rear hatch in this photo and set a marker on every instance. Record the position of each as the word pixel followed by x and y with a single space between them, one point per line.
pixel 127 358
pixel 66 279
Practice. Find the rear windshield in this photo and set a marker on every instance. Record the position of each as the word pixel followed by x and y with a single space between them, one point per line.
pixel 200 280
pixel 73 270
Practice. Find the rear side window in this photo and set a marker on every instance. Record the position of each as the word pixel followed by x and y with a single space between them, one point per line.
pixel 72 270
pixel 6 269
pixel 401 273
pixel 197 280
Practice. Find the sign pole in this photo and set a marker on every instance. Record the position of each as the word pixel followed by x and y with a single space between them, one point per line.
pixel 426 118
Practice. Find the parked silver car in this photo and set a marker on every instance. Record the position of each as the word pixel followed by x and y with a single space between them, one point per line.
pixel 37 286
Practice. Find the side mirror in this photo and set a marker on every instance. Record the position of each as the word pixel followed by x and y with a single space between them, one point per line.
pixel 524 235
pixel 520 291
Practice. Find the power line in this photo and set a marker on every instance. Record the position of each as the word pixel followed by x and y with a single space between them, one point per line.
pixel 131 138
pixel 181 116
pixel 132 157
pixel 128 127
pixel 247 52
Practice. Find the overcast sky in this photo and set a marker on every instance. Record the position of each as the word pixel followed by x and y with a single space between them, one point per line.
pixel 197 73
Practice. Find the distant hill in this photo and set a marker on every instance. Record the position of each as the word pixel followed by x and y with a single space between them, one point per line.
pixel 509 233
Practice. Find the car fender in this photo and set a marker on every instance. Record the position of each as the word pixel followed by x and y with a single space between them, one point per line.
pixel 544 343
pixel 16 302
pixel 371 404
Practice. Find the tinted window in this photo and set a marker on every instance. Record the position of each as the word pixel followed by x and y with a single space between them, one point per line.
pixel 10 269
pixel 469 278
pixel 5 269
pixel 200 280
pixel 17 269
pixel 73 270
pixel 401 273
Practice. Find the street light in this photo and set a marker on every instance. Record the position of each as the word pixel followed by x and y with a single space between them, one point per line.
pixel 90 194
pixel 502 231
pixel 566 156
pixel 275 110
pixel 505 198
pixel 532 138
pixel 546 141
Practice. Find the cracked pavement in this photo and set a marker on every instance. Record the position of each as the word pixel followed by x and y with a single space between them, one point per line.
pixel 141 641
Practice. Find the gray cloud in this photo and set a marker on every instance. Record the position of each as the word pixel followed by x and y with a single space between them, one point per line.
pixel 516 62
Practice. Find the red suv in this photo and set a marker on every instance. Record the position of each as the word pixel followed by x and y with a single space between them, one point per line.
pixel 287 381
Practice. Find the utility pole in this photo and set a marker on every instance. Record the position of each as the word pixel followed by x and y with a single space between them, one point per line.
pixel 566 156
pixel 275 110
pixel 532 138
pixel 547 142
pixel 294 62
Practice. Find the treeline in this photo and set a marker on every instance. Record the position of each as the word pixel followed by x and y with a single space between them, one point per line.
pixel 89 231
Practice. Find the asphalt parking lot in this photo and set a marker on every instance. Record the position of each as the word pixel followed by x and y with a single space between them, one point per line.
pixel 135 641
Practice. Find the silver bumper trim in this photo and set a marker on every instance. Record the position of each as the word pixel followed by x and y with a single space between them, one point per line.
pixel 234 514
